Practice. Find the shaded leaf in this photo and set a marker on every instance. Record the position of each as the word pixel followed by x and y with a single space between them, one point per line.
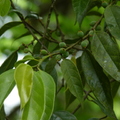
pixel 99 83
pixel 9 62
pixel 81 7
pixel 63 115
pixel 2 113
pixel 73 79
pixel 4 7
pixel 24 78
pixel 41 103
pixel 6 85
pixel 106 53
pixel 50 65
pixel 94 119
pixel 69 98
pixel 9 25
pixel 112 18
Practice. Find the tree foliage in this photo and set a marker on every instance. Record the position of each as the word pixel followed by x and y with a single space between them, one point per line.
pixel 82 61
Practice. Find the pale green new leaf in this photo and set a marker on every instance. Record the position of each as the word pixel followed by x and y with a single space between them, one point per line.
pixel 6 85
pixel 99 83
pixel 73 79
pixel 24 78
pixel 41 103
pixel 112 18
pixel 63 115
pixel 107 54
pixel 80 7
pixel 4 7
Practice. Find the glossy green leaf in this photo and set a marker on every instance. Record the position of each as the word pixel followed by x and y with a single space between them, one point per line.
pixel 106 53
pixel 112 18
pixel 9 25
pixel 9 62
pixel 24 79
pixel 73 79
pixel 81 8
pixel 4 7
pixel 41 103
pixel 99 83
pixel 63 115
pixel 6 85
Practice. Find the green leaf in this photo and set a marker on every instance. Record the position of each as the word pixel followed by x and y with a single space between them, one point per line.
pixel 9 25
pixel 6 85
pixel 26 58
pixel 63 115
pixel 73 79
pixel 2 113
pixel 9 62
pixel 69 98
pixel 24 78
pixel 99 83
pixel 41 103
pixel 112 18
pixel 50 65
pixel 106 53
pixel 94 119
pixel 81 7
pixel 4 7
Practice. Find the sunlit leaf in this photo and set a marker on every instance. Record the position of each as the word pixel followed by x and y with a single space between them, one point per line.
pixel 63 115
pixel 6 85
pixel 73 79
pixel 107 54
pixel 24 78
pixel 9 62
pixel 112 18
pixel 4 7
pixel 26 58
pixel 41 103
pixel 99 83
pixel 9 25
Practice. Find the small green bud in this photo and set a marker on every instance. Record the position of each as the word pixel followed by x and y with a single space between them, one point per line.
pixel 66 54
pixel 92 23
pixel 26 50
pixel 43 52
pixel 98 28
pixel 58 57
pixel 84 43
pixel 80 34
pixel 91 33
pixel 104 4
pixel 62 50
pixel 62 44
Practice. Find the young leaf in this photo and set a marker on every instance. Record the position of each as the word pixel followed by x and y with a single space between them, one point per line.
pixel 9 62
pixel 4 7
pixel 9 25
pixel 6 85
pixel 24 77
pixel 81 8
pixel 112 18
pixel 73 79
pixel 106 53
pixel 98 82
pixel 41 103
pixel 63 115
